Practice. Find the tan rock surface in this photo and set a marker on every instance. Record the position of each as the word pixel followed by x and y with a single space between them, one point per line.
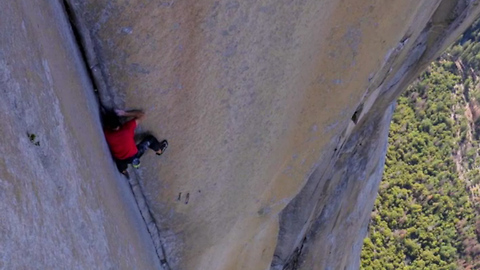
pixel 257 99
pixel 61 204
pixel 276 112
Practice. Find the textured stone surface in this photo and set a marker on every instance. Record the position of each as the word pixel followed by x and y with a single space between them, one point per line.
pixel 275 112
pixel 62 205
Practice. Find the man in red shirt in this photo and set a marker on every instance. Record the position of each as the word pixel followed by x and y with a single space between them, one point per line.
pixel 120 139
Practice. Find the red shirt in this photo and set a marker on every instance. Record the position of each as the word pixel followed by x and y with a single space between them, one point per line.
pixel 121 141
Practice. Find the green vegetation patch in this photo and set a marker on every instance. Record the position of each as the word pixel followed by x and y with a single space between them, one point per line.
pixel 424 216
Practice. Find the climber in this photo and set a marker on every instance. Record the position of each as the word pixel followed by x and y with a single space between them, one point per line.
pixel 120 139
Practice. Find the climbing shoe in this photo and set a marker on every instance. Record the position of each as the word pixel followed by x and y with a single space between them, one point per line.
pixel 136 163
pixel 163 147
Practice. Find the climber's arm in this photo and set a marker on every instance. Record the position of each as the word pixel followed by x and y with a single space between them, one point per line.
pixel 136 114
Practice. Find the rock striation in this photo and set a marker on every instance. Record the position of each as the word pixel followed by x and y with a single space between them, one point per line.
pixel 277 113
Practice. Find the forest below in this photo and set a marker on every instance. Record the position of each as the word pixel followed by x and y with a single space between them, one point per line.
pixel 426 215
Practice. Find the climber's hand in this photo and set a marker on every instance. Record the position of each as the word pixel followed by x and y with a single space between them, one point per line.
pixel 120 112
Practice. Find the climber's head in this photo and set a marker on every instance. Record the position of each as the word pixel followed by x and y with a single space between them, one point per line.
pixel 111 121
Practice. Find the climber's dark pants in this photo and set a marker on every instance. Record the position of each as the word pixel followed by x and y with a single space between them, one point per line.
pixel 148 142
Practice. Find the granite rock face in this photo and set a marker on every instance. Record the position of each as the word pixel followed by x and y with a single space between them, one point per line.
pixel 62 204
pixel 277 114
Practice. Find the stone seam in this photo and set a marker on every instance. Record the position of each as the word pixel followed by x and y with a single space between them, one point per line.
pixel 85 46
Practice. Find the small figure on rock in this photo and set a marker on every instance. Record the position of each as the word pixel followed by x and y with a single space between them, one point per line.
pixel 120 139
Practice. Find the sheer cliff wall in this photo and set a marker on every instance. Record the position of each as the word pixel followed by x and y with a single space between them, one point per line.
pixel 62 205
pixel 277 114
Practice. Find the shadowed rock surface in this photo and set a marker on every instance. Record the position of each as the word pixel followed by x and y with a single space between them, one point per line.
pixel 62 204
pixel 277 113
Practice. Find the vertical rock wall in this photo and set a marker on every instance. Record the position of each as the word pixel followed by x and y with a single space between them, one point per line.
pixel 62 205
pixel 275 112
pixel 324 226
